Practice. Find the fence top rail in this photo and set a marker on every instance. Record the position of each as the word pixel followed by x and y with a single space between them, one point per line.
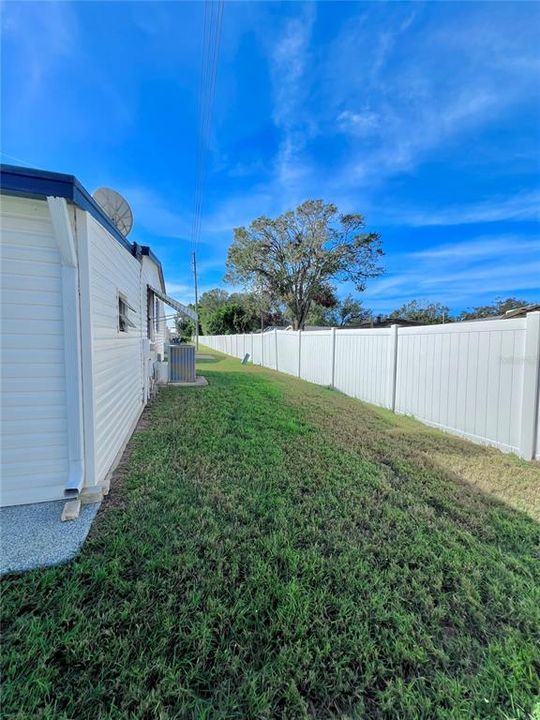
pixel 361 332
pixel 463 327
pixel 466 327
pixel 317 333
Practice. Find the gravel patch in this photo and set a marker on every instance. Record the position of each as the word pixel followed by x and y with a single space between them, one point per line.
pixel 33 536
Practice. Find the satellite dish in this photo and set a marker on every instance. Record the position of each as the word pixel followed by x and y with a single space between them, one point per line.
pixel 118 210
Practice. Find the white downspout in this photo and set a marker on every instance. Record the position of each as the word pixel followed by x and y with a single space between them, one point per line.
pixel 58 211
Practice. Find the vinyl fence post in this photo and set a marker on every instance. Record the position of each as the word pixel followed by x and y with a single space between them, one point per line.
pixel 531 380
pixel 276 346
pixel 393 365
pixel 333 357
pixel 262 348
pixel 299 353
pixel 252 348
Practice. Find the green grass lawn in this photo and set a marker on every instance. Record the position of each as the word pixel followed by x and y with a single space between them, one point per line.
pixel 272 549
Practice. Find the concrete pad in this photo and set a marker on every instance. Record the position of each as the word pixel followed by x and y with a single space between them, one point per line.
pixel 199 382
pixel 33 536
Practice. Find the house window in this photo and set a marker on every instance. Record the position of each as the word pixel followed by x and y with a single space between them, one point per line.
pixel 124 323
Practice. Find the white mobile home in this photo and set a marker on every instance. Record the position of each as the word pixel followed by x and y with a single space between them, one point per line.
pixel 75 384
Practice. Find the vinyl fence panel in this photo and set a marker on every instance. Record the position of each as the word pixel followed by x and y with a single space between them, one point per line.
pixel 363 365
pixel 316 357
pixel 466 378
pixel 288 352
pixel 269 349
pixel 479 380
pixel 257 357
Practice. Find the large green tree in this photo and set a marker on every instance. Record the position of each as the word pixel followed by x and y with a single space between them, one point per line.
pixel 295 257
pixel 213 299
pixel 209 302
pixel 230 319
pixel 258 311
pixel 185 327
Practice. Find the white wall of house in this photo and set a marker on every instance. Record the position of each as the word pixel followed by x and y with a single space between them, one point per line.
pixel 69 371
pixel 118 383
pixel 34 452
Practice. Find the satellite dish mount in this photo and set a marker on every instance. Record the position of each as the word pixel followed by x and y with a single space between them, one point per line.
pixel 116 208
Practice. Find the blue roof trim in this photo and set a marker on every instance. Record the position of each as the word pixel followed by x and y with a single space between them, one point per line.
pixel 27 182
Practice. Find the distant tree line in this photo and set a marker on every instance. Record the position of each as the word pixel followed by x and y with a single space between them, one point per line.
pixel 223 313
pixel 435 313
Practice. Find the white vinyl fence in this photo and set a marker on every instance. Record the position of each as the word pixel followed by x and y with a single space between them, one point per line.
pixel 476 379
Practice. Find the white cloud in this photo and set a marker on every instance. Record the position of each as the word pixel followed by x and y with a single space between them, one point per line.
pixel 45 42
pixel 400 87
pixel 289 69
pixel 460 273
pixel 486 247
pixel 156 215
pixel 523 206
pixel 436 88
pixel 359 123
pixel 175 288
pixel 289 60
pixel 52 37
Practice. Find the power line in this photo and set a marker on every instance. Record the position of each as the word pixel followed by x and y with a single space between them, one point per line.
pixel 19 160
pixel 199 151
pixel 211 43
pixel 196 301
pixel 213 18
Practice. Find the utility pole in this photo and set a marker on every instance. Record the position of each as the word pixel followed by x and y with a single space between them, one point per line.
pixel 196 301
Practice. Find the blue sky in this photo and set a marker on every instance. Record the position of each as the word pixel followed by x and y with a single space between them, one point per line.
pixel 425 117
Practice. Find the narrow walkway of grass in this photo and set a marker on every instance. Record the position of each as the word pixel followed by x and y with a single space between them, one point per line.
pixel 276 550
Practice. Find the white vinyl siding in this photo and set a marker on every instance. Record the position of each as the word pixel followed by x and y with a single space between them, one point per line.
pixel 117 367
pixel 150 276
pixel 115 364
pixel 34 423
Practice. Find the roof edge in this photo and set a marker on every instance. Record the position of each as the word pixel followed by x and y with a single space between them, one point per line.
pixel 35 183
pixel 146 250
pixel 31 182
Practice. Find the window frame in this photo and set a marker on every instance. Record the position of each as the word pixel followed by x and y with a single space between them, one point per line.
pixel 123 323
